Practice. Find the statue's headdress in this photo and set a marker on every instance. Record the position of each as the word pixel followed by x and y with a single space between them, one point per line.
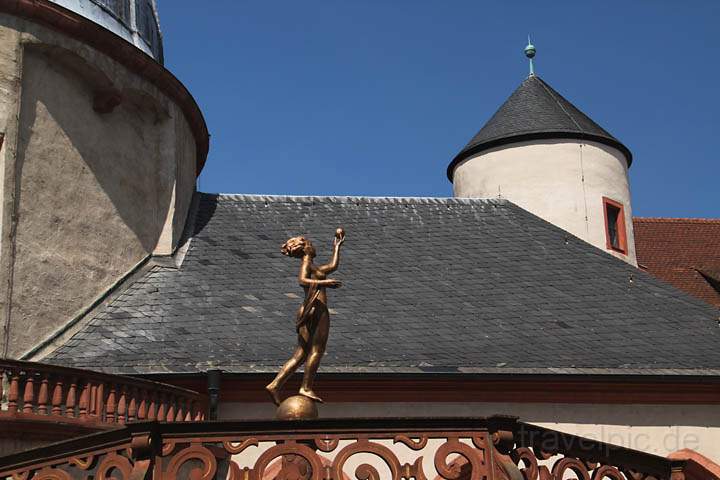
pixel 295 247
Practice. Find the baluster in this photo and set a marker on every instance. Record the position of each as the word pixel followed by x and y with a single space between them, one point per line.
pixel 142 409
pixel 152 407
pixel 132 405
pixel 161 407
pixel 2 379
pixel 198 413
pixel 171 409
pixel 92 409
pixel 14 392
pixel 100 402
pixel 84 401
pixel 57 397
pixel 122 405
pixel 43 395
pixel 110 408
pixel 71 398
pixel 29 395
pixel 188 413
pixel 180 410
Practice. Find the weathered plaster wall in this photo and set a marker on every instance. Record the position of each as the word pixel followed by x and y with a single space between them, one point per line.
pixel 88 193
pixel 9 93
pixel 562 181
pixel 183 189
pixel 658 429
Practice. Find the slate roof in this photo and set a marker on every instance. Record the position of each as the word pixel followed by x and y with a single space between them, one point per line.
pixel 535 111
pixel 682 251
pixel 429 285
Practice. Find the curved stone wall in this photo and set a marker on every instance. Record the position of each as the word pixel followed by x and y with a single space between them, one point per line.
pixel 98 173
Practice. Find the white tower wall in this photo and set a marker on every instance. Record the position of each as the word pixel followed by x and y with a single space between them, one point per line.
pixel 561 181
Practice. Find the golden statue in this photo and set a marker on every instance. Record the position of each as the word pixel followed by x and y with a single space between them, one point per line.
pixel 313 318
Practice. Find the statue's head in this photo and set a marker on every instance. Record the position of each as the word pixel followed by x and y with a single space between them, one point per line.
pixel 298 247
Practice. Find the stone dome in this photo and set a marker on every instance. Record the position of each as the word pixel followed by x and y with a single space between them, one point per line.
pixel 134 20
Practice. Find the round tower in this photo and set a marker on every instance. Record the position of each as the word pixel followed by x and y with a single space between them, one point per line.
pixel 542 153
pixel 100 147
pixel 134 20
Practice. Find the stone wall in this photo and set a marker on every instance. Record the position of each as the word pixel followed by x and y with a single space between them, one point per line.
pixel 98 171
pixel 561 181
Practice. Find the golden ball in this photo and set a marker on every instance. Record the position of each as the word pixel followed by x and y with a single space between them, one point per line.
pixel 339 233
pixel 298 407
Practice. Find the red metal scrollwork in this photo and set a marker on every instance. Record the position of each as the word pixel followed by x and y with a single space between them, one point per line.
pixel 327 444
pixel 234 449
pixel 582 469
pixel 168 448
pixel 316 466
pixel 607 471
pixel 478 468
pixel 410 443
pixel 185 457
pixel 51 474
pixel 111 463
pixel 524 455
pixel 366 471
pixel 311 453
pixel 572 464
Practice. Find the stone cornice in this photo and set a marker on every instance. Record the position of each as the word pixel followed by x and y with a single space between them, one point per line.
pixel 125 53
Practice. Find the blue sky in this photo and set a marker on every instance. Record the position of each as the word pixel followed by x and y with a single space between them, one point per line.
pixel 375 97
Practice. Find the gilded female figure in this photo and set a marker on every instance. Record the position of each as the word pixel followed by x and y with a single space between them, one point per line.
pixel 313 318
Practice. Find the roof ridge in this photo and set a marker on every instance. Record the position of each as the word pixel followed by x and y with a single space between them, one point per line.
pixel 547 88
pixel 712 221
pixel 358 199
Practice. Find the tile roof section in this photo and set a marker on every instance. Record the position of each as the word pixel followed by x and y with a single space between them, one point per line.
pixel 682 251
pixel 429 285
pixel 534 111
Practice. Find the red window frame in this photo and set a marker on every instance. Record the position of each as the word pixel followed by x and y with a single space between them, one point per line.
pixel 621 232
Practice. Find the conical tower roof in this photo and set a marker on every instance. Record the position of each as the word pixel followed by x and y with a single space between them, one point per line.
pixel 536 111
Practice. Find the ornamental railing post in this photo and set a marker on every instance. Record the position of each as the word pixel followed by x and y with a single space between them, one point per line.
pixel 43 395
pixel 84 401
pixel 57 396
pixel 14 391
pixel 71 398
pixel 29 394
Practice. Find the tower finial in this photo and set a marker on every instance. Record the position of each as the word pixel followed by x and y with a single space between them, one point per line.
pixel 530 54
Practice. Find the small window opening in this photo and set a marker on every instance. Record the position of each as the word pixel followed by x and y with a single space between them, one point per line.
pixel 615 225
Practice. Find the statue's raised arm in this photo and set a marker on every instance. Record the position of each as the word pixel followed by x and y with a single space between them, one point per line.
pixel 335 261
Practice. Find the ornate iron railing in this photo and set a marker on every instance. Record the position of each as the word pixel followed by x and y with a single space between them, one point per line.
pixel 370 449
pixel 39 392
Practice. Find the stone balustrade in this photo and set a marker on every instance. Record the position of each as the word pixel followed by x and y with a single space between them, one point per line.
pixel 39 392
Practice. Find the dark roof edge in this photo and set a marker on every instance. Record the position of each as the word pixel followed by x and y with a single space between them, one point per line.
pixel 258 198
pixel 543 135
pixel 585 374
pixel 49 344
